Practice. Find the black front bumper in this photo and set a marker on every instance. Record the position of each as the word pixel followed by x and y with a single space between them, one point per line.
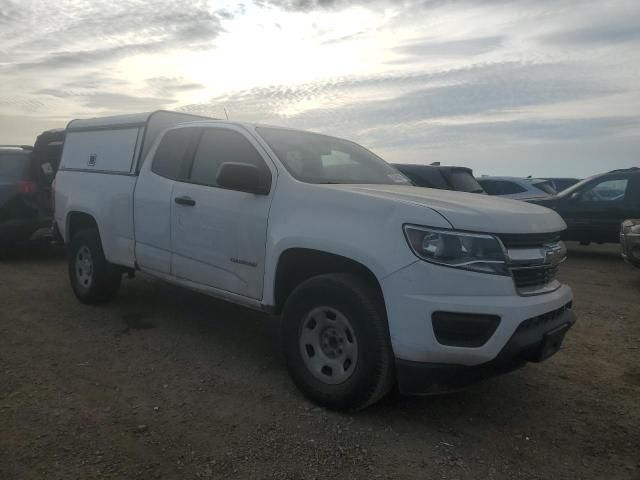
pixel 535 340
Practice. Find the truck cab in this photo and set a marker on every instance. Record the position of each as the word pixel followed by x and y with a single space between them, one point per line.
pixel 378 282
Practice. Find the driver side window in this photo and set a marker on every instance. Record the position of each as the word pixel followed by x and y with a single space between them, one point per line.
pixel 606 191
pixel 218 146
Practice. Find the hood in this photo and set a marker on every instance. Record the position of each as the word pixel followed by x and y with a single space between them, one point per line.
pixel 469 211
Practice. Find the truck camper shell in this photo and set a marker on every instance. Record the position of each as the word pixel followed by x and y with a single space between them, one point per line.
pixel 116 144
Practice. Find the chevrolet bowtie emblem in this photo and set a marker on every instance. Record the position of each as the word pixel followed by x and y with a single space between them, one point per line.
pixel 554 253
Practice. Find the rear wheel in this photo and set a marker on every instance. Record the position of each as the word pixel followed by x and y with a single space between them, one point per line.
pixel 93 279
pixel 336 342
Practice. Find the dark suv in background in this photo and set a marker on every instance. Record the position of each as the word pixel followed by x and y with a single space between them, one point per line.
pixel 22 213
pixel 460 179
pixel 26 174
pixel 595 207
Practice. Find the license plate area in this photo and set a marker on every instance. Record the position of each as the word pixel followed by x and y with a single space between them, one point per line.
pixel 551 342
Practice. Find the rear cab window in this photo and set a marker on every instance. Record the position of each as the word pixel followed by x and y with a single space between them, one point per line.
pixel 170 159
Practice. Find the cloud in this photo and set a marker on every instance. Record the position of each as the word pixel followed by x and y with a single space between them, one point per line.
pixel 10 12
pixel 608 33
pixel 425 135
pixel 172 85
pixel 484 89
pixel 122 102
pixel 101 31
pixel 550 129
pixel 411 5
pixel 108 100
pixel 466 47
pixel 308 5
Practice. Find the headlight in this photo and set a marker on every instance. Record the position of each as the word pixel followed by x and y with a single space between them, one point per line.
pixel 469 251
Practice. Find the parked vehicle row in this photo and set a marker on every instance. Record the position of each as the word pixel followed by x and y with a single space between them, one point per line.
pixel 379 282
pixel 595 207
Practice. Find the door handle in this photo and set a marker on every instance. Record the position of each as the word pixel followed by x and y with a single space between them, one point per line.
pixel 186 201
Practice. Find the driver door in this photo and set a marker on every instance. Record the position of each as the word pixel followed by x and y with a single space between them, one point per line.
pixel 218 235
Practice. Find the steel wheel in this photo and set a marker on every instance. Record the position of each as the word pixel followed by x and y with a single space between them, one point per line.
pixel 328 345
pixel 84 266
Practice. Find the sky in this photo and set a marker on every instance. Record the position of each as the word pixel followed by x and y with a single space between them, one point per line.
pixel 542 88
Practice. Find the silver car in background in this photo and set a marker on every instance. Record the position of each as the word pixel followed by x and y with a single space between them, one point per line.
pixel 518 188
pixel 630 241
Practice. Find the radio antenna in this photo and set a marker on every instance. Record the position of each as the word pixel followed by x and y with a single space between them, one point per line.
pixel 226 114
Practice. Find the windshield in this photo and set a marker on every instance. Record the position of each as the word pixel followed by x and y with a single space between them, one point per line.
pixel 546 186
pixel 576 186
pixel 315 158
pixel 13 165
pixel 463 181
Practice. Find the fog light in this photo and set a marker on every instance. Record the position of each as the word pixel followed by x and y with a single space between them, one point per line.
pixel 463 329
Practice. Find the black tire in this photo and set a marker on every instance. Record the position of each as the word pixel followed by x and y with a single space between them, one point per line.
pixel 374 372
pixel 105 277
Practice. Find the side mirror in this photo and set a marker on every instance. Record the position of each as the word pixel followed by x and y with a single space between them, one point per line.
pixel 575 196
pixel 243 177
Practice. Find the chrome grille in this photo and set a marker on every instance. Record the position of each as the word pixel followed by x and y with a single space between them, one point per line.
pixel 533 260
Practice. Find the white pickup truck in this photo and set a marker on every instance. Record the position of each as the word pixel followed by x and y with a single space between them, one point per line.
pixel 379 283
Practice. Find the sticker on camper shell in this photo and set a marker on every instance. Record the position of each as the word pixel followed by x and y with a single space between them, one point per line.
pixel 92 160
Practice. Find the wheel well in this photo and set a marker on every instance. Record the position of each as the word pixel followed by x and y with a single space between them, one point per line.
pixel 299 264
pixel 79 221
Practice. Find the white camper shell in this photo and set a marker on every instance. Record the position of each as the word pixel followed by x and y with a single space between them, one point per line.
pixel 116 144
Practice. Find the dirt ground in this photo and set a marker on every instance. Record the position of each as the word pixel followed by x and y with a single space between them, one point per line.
pixel 165 383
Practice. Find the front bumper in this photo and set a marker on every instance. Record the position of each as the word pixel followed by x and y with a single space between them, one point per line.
pixel 413 294
pixel 535 340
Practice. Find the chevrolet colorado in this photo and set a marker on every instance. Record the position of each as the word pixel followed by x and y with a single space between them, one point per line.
pixel 378 282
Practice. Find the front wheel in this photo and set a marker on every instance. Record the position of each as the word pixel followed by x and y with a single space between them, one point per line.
pixel 336 342
pixel 93 279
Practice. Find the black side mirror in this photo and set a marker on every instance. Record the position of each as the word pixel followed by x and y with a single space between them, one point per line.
pixel 243 177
